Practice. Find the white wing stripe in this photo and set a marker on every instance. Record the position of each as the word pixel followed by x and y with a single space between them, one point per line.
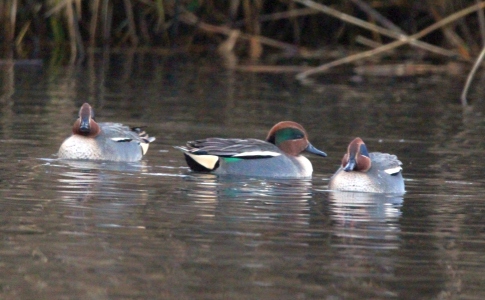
pixel 121 139
pixel 257 153
pixel 393 170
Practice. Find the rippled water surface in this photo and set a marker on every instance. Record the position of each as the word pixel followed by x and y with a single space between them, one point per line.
pixel 154 230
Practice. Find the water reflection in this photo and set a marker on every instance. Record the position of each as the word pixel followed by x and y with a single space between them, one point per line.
pixel 354 237
pixel 93 233
pixel 99 193
pixel 107 231
pixel 240 200
pixel 245 233
pixel 366 220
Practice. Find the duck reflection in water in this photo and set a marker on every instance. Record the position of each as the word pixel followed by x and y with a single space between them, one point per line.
pixel 101 193
pixel 244 201
pixel 356 236
pixel 366 219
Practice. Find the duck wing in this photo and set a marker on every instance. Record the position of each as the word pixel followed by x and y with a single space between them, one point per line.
pixel 388 162
pixel 241 148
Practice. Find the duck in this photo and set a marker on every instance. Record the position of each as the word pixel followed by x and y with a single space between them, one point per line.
pixel 103 141
pixel 373 172
pixel 278 156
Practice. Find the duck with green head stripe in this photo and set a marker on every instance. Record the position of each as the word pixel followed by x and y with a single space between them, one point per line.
pixel 279 156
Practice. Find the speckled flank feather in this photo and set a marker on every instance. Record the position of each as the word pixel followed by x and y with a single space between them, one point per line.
pixel 80 147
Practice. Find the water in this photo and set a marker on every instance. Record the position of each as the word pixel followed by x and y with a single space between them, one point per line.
pixel 154 230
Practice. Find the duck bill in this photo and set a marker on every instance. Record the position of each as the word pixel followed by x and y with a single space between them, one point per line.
pixel 314 150
pixel 350 165
pixel 84 126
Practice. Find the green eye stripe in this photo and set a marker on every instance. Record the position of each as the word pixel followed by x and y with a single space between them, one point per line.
pixel 286 134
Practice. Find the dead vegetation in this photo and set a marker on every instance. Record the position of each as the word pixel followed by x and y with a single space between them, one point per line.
pixel 305 30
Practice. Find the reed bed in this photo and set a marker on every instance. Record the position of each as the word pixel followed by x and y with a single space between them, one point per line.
pixel 306 29
pixel 38 26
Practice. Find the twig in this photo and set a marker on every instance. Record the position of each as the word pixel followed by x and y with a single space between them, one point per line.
pixel 395 44
pixel 469 79
pixel 356 21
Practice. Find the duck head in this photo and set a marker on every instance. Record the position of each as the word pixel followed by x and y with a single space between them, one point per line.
pixel 357 157
pixel 291 138
pixel 85 124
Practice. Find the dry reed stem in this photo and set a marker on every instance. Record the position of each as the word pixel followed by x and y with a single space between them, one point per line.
pixel 79 11
pixel 395 44
pixel 72 31
pixel 452 37
pixel 367 42
pixel 58 7
pixel 94 22
pixel 291 13
pixel 270 69
pixel 233 8
pixel 253 27
pixel 408 69
pixel 294 22
pixel 481 21
pixel 21 35
pixel 226 50
pixel 358 22
pixel 107 12
pixel 190 18
pixel 377 16
pixel 469 79
pixel 13 16
pixel 248 21
pixel 161 15
pixel 131 22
